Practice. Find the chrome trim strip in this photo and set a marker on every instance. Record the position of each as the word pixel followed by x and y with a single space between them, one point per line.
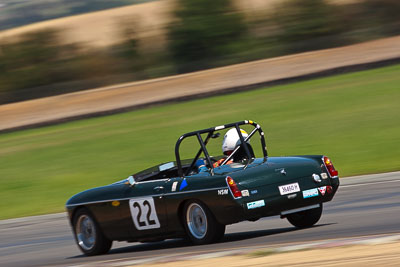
pixel 96 202
pixel 195 191
pixel 153 181
pixel 300 209
pixel 158 195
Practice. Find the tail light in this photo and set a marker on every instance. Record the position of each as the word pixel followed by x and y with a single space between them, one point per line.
pixel 329 166
pixel 233 187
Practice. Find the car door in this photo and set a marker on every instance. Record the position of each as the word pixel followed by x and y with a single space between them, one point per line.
pixel 145 210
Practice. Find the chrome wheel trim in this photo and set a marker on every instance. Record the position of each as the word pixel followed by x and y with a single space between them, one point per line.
pixel 196 220
pixel 86 232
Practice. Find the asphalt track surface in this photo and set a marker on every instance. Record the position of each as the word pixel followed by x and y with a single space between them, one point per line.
pixel 364 206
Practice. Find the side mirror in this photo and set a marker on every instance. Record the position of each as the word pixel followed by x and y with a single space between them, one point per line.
pixel 131 181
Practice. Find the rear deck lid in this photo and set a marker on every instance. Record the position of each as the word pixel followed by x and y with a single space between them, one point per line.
pixel 277 170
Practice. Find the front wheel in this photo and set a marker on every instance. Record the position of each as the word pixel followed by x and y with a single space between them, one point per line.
pixel 306 218
pixel 88 235
pixel 200 224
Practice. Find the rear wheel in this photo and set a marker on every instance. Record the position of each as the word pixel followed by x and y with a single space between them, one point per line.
pixel 88 235
pixel 200 224
pixel 306 218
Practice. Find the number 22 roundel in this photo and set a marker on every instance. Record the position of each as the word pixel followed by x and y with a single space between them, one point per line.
pixel 144 213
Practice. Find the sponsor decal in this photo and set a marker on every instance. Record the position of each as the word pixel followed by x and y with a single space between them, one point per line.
pixel 324 175
pixel 322 190
pixel 144 214
pixel 256 204
pixel 310 193
pixel 222 192
pixel 183 184
pixel 245 193
pixel 254 191
pixel 173 188
pixel 289 188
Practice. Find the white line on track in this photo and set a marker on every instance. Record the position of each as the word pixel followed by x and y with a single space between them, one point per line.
pixel 370 183
pixel 27 245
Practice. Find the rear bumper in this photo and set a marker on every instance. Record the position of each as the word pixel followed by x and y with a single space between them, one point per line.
pixel 279 205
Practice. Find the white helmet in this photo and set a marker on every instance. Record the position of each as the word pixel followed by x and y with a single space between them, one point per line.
pixel 232 139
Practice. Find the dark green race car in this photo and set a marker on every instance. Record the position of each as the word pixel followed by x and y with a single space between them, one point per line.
pixel 178 199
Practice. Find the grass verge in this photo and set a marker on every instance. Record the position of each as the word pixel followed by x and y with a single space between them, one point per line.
pixel 353 118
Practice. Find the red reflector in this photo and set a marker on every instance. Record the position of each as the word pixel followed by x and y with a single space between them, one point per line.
pixel 329 166
pixel 329 189
pixel 233 186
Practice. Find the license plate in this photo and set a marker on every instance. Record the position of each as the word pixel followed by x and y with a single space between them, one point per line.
pixel 289 188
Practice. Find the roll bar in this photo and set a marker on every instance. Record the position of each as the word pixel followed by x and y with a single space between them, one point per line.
pixel 210 131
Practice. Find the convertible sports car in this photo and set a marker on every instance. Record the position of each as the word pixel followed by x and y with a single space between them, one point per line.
pixel 183 199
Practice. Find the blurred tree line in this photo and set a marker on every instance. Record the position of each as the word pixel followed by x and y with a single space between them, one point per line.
pixel 204 34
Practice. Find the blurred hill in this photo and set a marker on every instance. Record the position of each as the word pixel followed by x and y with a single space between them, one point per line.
pixel 104 28
pixel 14 13
pixel 167 37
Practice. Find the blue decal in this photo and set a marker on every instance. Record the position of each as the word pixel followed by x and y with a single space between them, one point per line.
pixel 256 204
pixel 310 193
pixel 183 184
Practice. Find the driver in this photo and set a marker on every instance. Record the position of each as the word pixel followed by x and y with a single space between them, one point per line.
pixel 230 142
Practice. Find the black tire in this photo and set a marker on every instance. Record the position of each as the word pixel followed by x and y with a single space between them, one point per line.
pixel 304 219
pixel 88 235
pixel 200 224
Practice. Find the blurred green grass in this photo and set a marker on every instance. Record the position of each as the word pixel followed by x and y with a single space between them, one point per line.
pixel 353 118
